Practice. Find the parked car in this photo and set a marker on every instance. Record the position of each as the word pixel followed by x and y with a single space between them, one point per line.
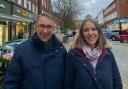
pixel 107 33
pixel 69 33
pixel 115 35
pixel 123 37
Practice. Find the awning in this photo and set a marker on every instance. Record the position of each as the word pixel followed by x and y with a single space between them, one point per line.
pixel 14 18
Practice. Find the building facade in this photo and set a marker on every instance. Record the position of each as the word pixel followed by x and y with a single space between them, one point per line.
pixel 44 6
pixel 100 18
pixel 15 15
pixel 116 15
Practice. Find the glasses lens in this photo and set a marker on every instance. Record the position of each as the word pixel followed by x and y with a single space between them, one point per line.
pixel 49 27
pixel 41 26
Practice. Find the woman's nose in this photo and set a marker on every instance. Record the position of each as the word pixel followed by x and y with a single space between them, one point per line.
pixel 90 32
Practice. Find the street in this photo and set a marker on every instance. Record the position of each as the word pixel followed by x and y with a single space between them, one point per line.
pixel 121 54
pixel 120 51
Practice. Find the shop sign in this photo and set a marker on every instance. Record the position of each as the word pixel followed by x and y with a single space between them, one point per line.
pixel 120 21
pixel 23 13
pixel 124 20
pixel 20 12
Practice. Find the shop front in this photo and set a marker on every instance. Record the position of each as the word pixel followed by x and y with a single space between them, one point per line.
pixel 4 16
pixel 22 25
pixel 3 32
pixel 123 22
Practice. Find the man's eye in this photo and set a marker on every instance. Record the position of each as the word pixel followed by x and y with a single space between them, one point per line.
pixel 41 26
pixel 49 26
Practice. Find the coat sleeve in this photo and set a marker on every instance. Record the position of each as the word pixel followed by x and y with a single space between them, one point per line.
pixel 69 73
pixel 117 82
pixel 12 78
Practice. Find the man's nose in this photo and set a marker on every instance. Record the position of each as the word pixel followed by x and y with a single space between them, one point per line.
pixel 45 30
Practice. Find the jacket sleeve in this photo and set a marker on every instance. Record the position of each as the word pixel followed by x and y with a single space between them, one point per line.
pixel 117 82
pixel 69 73
pixel 12 78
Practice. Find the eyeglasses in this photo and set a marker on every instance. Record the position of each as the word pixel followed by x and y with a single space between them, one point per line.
pixel 42 27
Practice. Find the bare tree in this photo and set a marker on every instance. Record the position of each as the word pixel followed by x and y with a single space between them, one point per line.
pixel 68 10
pixel 88 16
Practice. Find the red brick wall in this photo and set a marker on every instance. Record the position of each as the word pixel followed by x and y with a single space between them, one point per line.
pixel 123 8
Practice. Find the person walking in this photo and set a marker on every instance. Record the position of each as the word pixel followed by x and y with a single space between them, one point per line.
pixel 38 63
pixel 20 34
pixel 90 63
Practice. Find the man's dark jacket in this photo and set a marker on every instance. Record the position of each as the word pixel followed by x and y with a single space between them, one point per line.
pixel 36 65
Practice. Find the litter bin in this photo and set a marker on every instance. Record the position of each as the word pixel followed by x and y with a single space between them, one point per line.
pixel 64 39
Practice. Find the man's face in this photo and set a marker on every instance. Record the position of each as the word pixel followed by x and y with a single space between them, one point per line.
pixel 44 28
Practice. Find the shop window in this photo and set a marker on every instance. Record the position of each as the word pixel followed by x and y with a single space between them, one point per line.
pixel 3 22
pixel 3 32
pixel 19 2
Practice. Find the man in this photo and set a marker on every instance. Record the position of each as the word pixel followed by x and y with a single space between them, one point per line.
pixel 38 63
pixel 20 34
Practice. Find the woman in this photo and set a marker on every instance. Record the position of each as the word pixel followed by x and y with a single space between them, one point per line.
pixel 90 63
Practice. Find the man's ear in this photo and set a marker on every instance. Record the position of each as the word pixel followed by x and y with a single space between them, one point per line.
pixel 35 26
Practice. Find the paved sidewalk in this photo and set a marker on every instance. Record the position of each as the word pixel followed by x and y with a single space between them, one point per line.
pixel 118 43
pixel 68 43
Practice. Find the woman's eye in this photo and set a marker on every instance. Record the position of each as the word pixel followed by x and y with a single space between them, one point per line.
pixel 94 29
pixel 85 30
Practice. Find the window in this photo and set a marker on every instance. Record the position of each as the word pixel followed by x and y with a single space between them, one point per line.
pixel 36 10
pixel 25 3
pixel 42 11
pixel 19 2
pixel 33 7
pixel 29 5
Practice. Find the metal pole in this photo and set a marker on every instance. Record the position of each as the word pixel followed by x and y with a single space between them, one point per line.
pixel 119 17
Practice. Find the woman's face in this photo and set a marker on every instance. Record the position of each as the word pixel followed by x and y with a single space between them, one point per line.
pixel 90 34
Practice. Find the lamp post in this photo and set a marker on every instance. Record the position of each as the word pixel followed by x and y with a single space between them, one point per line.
pixel 118 11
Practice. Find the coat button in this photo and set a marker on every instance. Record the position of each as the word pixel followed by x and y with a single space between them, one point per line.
pixel 85 64
pixel 57 50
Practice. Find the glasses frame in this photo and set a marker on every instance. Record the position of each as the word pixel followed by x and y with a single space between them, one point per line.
pixel 43 27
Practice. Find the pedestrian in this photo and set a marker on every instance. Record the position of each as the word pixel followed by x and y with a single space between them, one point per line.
pixel 38 63
pixel 20 34
pixel 90 63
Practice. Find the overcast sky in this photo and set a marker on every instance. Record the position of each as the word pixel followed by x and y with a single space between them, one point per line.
pixel 92 7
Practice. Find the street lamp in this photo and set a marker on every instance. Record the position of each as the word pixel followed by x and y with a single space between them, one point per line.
pixel 118 11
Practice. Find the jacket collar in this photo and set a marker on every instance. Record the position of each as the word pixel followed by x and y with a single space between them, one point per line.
pixel 80 53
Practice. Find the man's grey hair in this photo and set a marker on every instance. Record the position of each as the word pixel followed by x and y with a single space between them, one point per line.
pixel 36 18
